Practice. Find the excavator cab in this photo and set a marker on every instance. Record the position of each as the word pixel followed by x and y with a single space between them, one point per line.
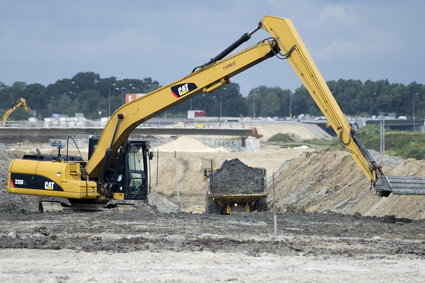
pixel 126 176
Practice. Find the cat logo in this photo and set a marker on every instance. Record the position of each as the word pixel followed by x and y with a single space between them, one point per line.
pixel 49 185
pixel 182 89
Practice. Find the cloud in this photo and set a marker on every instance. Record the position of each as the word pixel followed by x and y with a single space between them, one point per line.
pixel 377 43
pixel 339 14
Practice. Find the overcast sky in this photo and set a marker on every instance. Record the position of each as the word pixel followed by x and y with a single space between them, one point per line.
pixel 43 41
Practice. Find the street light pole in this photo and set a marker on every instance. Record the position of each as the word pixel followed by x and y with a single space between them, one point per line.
pixel 109 100
pixel 290 106
pixel 370 104
pixel 123 90
pixel 413 112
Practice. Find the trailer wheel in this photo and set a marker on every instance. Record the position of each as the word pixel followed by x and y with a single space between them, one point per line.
pixel 212 207
pixel 261 204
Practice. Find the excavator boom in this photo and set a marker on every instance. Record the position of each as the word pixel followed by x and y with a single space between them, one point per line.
pixel 205 79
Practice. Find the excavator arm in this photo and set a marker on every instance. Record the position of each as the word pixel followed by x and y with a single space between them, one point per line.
pixel 217 72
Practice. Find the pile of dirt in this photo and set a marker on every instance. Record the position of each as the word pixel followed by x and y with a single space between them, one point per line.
pixel 235 177
pixel 332 181
pixel 161 204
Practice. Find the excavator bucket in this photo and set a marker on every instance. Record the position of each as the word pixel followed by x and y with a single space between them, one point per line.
pixel 400 185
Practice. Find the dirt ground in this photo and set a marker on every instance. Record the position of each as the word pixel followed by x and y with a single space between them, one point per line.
pixel 330 227
pixel 184 247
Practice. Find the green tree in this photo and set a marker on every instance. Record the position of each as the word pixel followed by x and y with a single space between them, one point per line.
pixel 86 81
pixel 37 99
pixel 269 101
pixel 62 105
pixel 90 103
pixel 302 103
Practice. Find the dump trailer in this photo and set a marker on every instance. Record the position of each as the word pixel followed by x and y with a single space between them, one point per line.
pixel 235 187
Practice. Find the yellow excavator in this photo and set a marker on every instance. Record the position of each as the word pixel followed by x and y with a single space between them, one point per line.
pixel 117 168
pixel 20 102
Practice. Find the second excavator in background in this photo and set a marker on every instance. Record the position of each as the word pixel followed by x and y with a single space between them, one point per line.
pixel 20 102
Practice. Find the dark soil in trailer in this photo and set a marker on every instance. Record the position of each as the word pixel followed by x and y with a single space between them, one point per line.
pixel 235 177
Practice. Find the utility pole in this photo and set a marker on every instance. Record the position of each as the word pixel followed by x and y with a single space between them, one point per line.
pixel 382 134
pixel 109 99
pixel 370 103
pixel 290 106
pixel 413 112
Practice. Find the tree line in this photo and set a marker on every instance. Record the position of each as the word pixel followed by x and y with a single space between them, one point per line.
pixel 96 97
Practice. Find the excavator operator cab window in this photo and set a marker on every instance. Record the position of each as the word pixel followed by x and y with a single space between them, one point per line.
pixel 136 172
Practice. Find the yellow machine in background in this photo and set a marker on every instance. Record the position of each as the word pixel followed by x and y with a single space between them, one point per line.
pixel 20 102
pixel 117 168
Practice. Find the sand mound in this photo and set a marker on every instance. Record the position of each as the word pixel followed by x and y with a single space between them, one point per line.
pixel 332 181
pixel 297 131
pixel 185 144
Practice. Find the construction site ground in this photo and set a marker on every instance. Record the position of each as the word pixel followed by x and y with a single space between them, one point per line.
pixel 169 247
pixel 330 226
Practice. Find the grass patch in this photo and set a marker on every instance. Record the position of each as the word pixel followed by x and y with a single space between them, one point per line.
pixel 287 141
pixel 281 138
pixel 397 143
pixel 322 142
